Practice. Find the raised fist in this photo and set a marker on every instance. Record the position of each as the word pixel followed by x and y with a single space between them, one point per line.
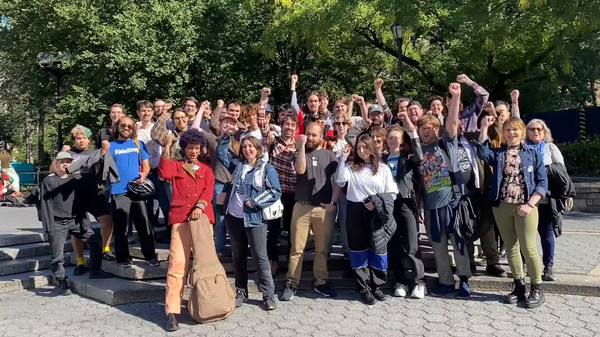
pixel 294 79
pixel 105 145
pixel 514 95
pixel 455 89
pixel 462 78
pixel 487 121
pixel 358 99
pixel 65 148
pixel 301 142
pixel 266 92
pixel 403 115
pixel 378 83
pixel 220 103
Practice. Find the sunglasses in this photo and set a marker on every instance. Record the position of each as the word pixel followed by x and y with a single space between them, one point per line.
pixel 126 126
pixel 539 129
pixel 340 123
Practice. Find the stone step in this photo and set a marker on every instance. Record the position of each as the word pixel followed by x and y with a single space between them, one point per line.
pixel 25 281
pixel 29 250
pixel 21 238
pixel 24 265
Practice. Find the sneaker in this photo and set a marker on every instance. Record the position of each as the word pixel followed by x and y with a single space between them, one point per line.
pixel 80 270
pixel 240 298
pixel 400 290
pixel 419 291
pixel 325 290
pixel 274 267
pixel 63 286
pixel 443 290
pixel 495 270
pixel 153 262
pixel 367 297
pixel 269 304
pixel 379 295
pixel 464 291
pixel 171 323
pixel 100 274
pixel 108 256
pixel 126 264
pixel 548 274
pixel 288 293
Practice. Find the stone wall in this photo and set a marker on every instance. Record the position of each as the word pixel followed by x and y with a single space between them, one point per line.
pixel 588 196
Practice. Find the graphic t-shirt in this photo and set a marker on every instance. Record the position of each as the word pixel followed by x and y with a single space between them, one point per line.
pixel 126 156
pixel 392 163
pixel 236 206
pixel 464 163
pixel 435 170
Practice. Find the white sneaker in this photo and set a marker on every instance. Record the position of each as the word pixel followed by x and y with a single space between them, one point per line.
pixel 400 290
pixel 419 291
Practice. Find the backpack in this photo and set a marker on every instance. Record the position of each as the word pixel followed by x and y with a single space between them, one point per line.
pixel 211 297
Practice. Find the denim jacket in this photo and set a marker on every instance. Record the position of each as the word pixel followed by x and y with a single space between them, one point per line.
pixel 534 171
pixel 260 198
pixel 227 157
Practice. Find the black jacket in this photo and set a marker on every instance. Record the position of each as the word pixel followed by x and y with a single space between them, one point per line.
pixel 383 225
pixel 408 166
pixel 560 188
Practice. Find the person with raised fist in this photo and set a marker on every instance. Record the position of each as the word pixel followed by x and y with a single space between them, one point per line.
pixel 442 187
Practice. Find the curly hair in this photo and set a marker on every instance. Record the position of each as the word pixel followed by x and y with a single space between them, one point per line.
pixel 192 137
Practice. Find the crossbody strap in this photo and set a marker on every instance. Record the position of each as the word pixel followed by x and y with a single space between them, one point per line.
pixel 139 147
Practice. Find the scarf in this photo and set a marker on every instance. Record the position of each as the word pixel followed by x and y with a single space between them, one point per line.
pixel 539 147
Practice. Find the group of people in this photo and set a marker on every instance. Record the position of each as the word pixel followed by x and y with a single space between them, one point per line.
pixel 255 173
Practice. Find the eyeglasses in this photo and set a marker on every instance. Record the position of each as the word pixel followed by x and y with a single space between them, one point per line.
pixel 181 118
pixel 126 126
pixel 538 129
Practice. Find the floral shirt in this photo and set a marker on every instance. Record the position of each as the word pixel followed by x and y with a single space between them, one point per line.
pixel 513 181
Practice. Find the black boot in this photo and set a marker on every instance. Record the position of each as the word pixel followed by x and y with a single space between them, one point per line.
pixel 99 273
pixel 171 323
pixel 367 297
pixel 536 297
pixel 63 286
pixel 518 293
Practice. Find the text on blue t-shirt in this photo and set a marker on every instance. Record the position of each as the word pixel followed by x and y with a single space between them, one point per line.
pixel 126 156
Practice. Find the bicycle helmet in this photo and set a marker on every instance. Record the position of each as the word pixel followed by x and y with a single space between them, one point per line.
pixel 144 190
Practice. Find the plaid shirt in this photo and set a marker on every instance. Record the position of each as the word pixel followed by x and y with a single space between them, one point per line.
pixel 282 158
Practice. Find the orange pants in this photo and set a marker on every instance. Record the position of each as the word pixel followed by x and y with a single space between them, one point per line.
pixel 179 259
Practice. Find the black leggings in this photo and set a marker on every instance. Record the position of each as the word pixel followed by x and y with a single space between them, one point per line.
pixel 122 209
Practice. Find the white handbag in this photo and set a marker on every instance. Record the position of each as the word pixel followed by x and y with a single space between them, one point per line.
pixel 274 211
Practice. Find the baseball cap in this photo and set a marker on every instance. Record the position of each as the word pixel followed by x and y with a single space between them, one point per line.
pixel 417 103
pixel 227 116
pixel 63 155
pixel 375 108
pixel 268 108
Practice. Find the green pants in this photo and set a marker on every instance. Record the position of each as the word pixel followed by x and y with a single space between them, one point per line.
pixel 518 232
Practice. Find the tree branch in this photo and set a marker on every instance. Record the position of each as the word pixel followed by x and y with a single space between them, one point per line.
pixel 370 35
pixel 490 65
pixel 534 63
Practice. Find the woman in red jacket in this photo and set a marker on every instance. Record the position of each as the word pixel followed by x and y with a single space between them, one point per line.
pixel 193 185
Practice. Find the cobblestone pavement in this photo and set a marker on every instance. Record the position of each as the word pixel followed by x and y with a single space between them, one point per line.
pixel 28 314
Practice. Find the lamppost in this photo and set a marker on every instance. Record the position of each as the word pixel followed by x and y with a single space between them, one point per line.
pixel 398 31
pixel 53 64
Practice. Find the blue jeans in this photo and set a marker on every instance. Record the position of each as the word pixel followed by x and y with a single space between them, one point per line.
pixel 546 231
pixel 163 196
pixel 220 229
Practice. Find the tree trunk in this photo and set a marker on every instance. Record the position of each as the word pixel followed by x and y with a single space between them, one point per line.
pixel 29 128
pixel 41 152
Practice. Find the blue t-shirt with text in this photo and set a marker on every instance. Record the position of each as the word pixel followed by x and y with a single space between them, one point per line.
pixel 125 154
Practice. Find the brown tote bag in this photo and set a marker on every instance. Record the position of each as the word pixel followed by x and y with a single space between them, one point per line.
pixel 211 297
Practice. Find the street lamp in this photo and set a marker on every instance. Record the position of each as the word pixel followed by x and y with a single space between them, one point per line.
pixel 53 64
pixel 398 36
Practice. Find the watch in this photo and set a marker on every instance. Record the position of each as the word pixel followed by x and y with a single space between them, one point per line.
pixel 334 203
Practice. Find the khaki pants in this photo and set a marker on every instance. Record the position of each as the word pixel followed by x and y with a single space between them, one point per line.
pixel 305 218
pixel 520 233
pixel 179 259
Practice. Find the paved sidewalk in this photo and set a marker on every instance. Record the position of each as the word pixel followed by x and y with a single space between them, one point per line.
pixel 29 314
